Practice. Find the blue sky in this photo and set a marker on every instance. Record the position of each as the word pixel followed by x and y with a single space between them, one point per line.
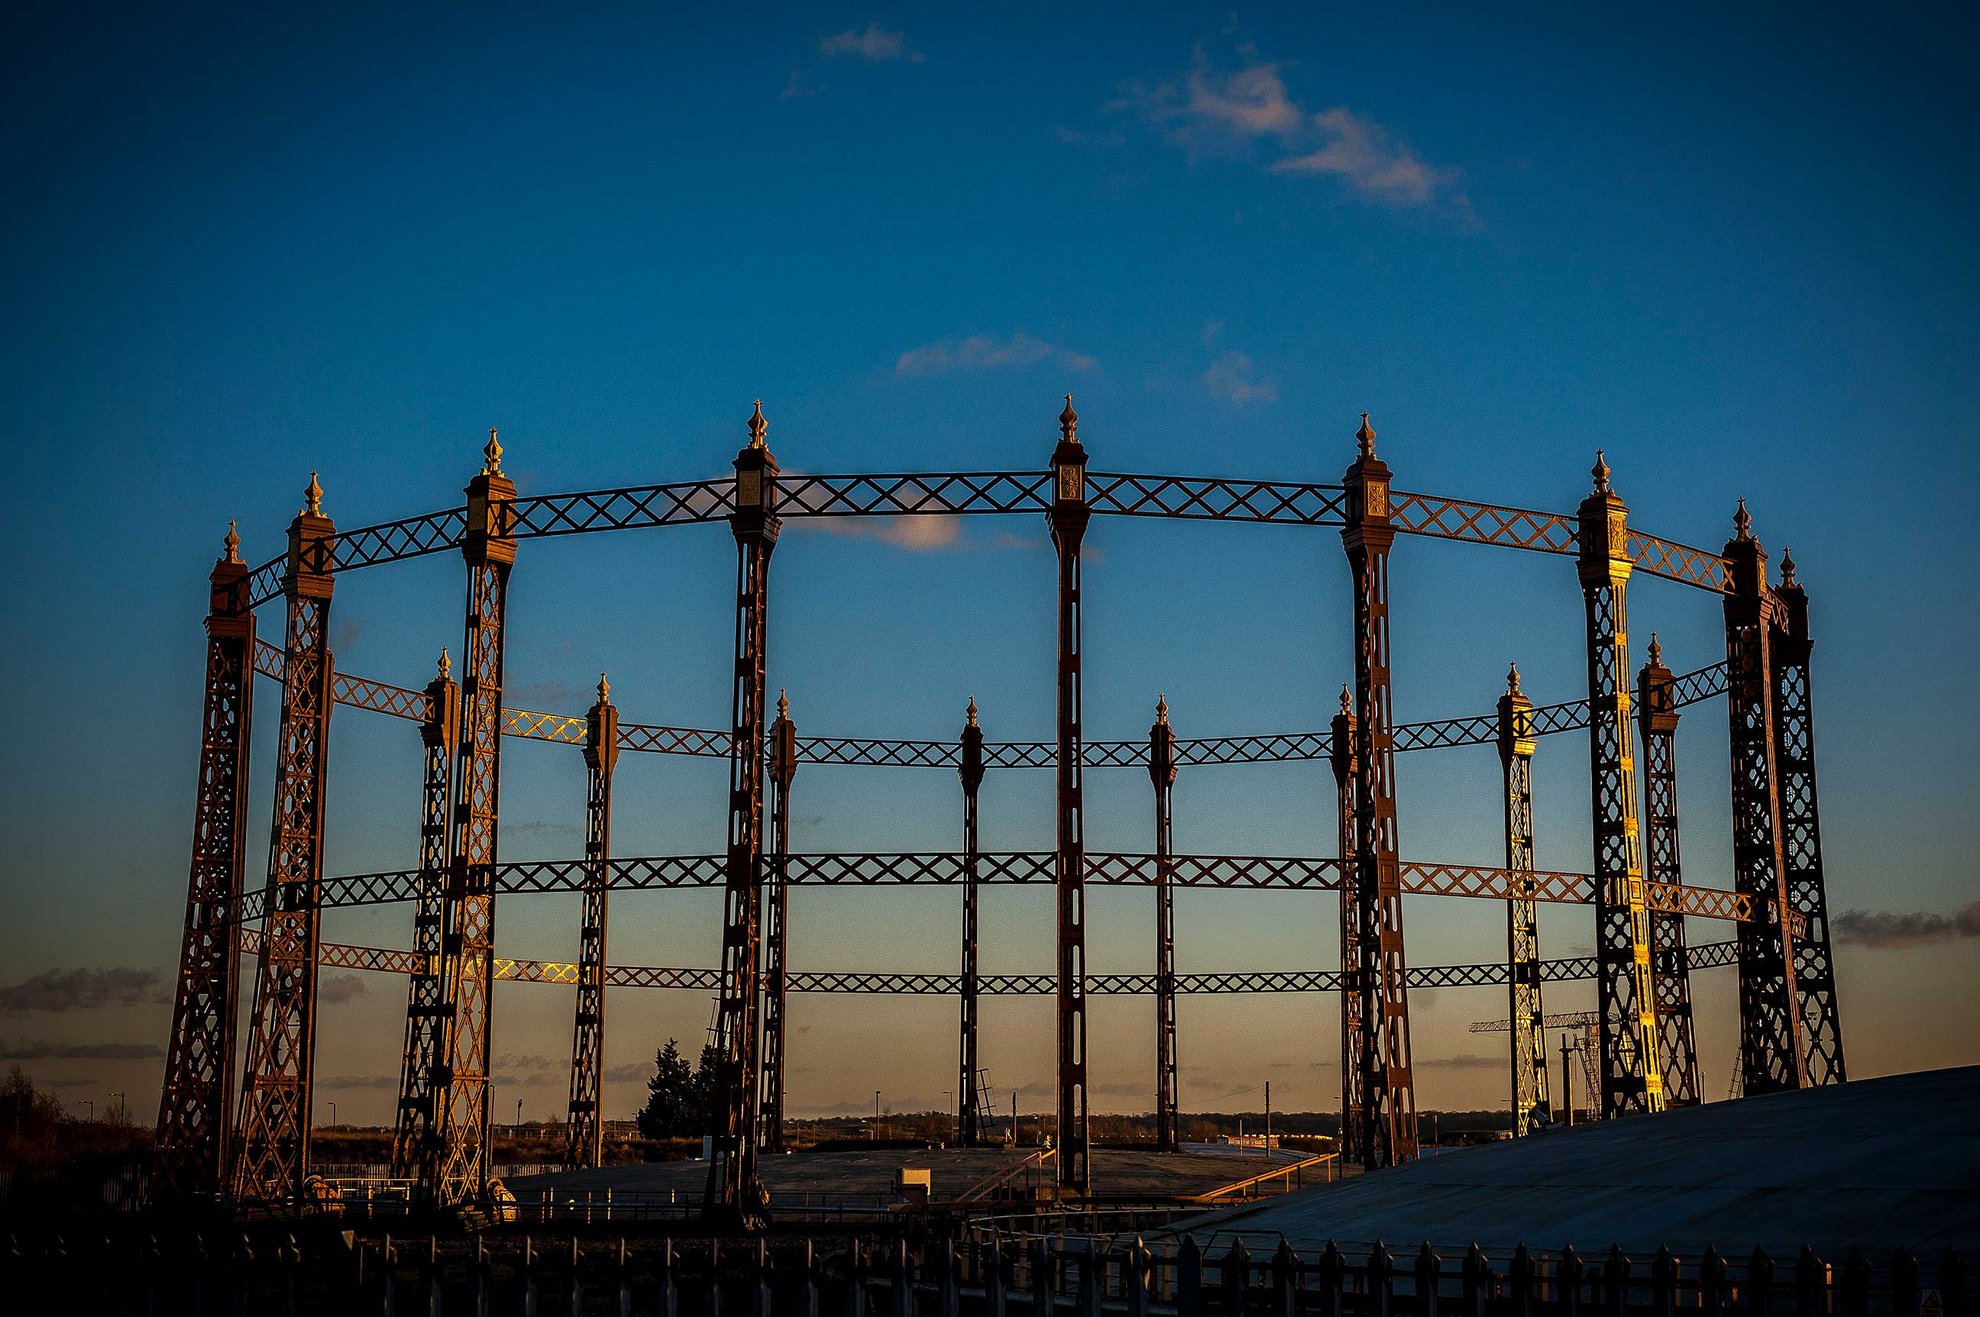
pixel 1731 248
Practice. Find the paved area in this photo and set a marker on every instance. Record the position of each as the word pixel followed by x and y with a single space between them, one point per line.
pixel 1877 1163
pixel 797 1176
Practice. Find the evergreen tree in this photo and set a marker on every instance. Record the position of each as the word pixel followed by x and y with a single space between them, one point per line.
pixel 671 1097
pixel 706 1096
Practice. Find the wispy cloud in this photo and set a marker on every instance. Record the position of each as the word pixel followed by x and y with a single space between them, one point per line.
pixel 1464 1061
pixel 877 44
pixel 921 534
pixel 341 987
pixel 40 1050
pixel 85 989
pixel 987 352
pixel 358 1081
pixel 1250 112
pixel 1236 379
pixel 1910 928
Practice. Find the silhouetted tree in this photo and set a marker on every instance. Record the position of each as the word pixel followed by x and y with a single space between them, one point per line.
pixel 672 1102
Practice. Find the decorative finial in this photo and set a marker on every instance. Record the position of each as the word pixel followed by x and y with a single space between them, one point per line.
pixel 1787 567
pixel 783 706
pixel 1069 422
pixel 313 498
pixel 972 711
pixel 1365 436
pixel 1601 473
pixel 604 690
pixel 232 543
pixel 491 455
pixel 446 665
pixel 1743 522
pixel 1162 709
pixel 758 427
pixel 1512 679
pixel 1656 651
pixel 1347 701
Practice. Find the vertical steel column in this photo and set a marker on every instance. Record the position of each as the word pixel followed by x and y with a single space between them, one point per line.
pixel 1625 1005
pixel 1801 832
pixel 1531 1109
pixel 439 735
pixel 1388 1085
pixel 1670 972
pixel 281 1052
pixel 1068 517
pixel 195 1106
pixel 735 1198
pixel 457 1169
pixel 1162 771
pixel 1771 1057
pixel 1341 752
pixel 971 1122
pixel 585 1126
pixel 777 923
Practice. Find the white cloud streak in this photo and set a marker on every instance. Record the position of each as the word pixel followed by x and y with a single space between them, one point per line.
pixel 1235 378
pixel 876 44
pixel 1251 111
pixel 987 352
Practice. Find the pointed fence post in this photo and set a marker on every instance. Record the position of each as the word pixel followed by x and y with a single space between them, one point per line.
pixel 1380 1299
pixel 996 1282
pixel 1285 1281
pixel 1712 1284
pixel 1429 1268
pixel 1760 1284
pixel 1615 1283
pixel 1134 1280
pixel 1568 1273
pixel 1189 1279
pixel 1042 1287
pixel 1520 1284
pixel 1905 1294
pixel 1664 1284
pixel 1333 1281
pixel 900 1279
pixel 1477 1282
pixel 1236 1276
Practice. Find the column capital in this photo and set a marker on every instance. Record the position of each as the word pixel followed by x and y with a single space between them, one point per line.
pixel 490 512
pixel 1602 542
pixel 971 769
pixel 1069 512
pixel 1162 747
pixel 441 725
pixel 783 744
pixel 756 485
pixel 227 597
pixel 310 534
pixel 1516 739
pixel 1746 560
pixel 1656 693
pixel 601 731
pixel 1341 748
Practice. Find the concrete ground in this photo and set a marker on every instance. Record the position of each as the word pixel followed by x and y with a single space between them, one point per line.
pixel 870 1173
pixel 1876 1164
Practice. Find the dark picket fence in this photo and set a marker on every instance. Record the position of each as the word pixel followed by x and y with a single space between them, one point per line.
pixel 1038 1276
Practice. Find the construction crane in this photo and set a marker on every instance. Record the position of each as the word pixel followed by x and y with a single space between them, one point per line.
pixel 1589 1047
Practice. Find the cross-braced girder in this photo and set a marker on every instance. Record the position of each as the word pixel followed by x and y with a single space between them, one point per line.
pixel 971 1117
pixel 1670 973
pixel 1067 518
pixel 1162 773
pixel 777 928
pixel 1528 1047
pixel 418 1112
pixel 585 1122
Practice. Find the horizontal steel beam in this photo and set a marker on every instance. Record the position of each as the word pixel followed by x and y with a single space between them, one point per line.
pixel 1711 955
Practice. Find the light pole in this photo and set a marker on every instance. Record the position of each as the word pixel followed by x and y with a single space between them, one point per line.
pixel 876 1115
pixel 1268 1119
pixel 120 1107
pixel 333 1115
pixel 949 1097
pixel 92 1108
pixel 519 1129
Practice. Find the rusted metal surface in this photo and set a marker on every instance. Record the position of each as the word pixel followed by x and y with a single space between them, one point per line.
pixel 585 1120
pixel 1670 974
pixel 1528 1052
pixel 420 1089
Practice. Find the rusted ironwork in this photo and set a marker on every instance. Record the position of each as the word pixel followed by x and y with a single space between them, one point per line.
pixel 1631 1080
pixel 1162 772
pixel 1346 774
pixel 455 1168
pixel 1772 1057
pixel 1801 831
pixel 195 1105
pixel 777 924
pixel 970 1117
pixel 1530 1105
pixel 273 1158
pixel 1670 975
pixel 735 1198
pixel 1388 1087
pixel 1067 517
pixel 418 1113
pixel 585 1124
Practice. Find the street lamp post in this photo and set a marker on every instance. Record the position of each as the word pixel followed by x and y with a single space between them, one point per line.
pixel 333 1115
pixel 876 1115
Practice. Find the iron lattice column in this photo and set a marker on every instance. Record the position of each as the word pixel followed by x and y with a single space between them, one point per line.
pixel 281 1052
pixel 1531 1108
pixel 777 923
pixel 1801 832
pixel 457 1168
pixel 735 1198
pixel 1068 517
pixel 439 735
pixel 1162 772
pixel 1771 1058
pixel 1625 1005
pixel 1340 752
pixel 585 1125
pixel 1388 1086
pixel 971 1119
pixel 1670 972
pixel 195 1106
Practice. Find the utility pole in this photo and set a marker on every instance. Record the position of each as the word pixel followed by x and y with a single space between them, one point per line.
pixel 1567 1083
